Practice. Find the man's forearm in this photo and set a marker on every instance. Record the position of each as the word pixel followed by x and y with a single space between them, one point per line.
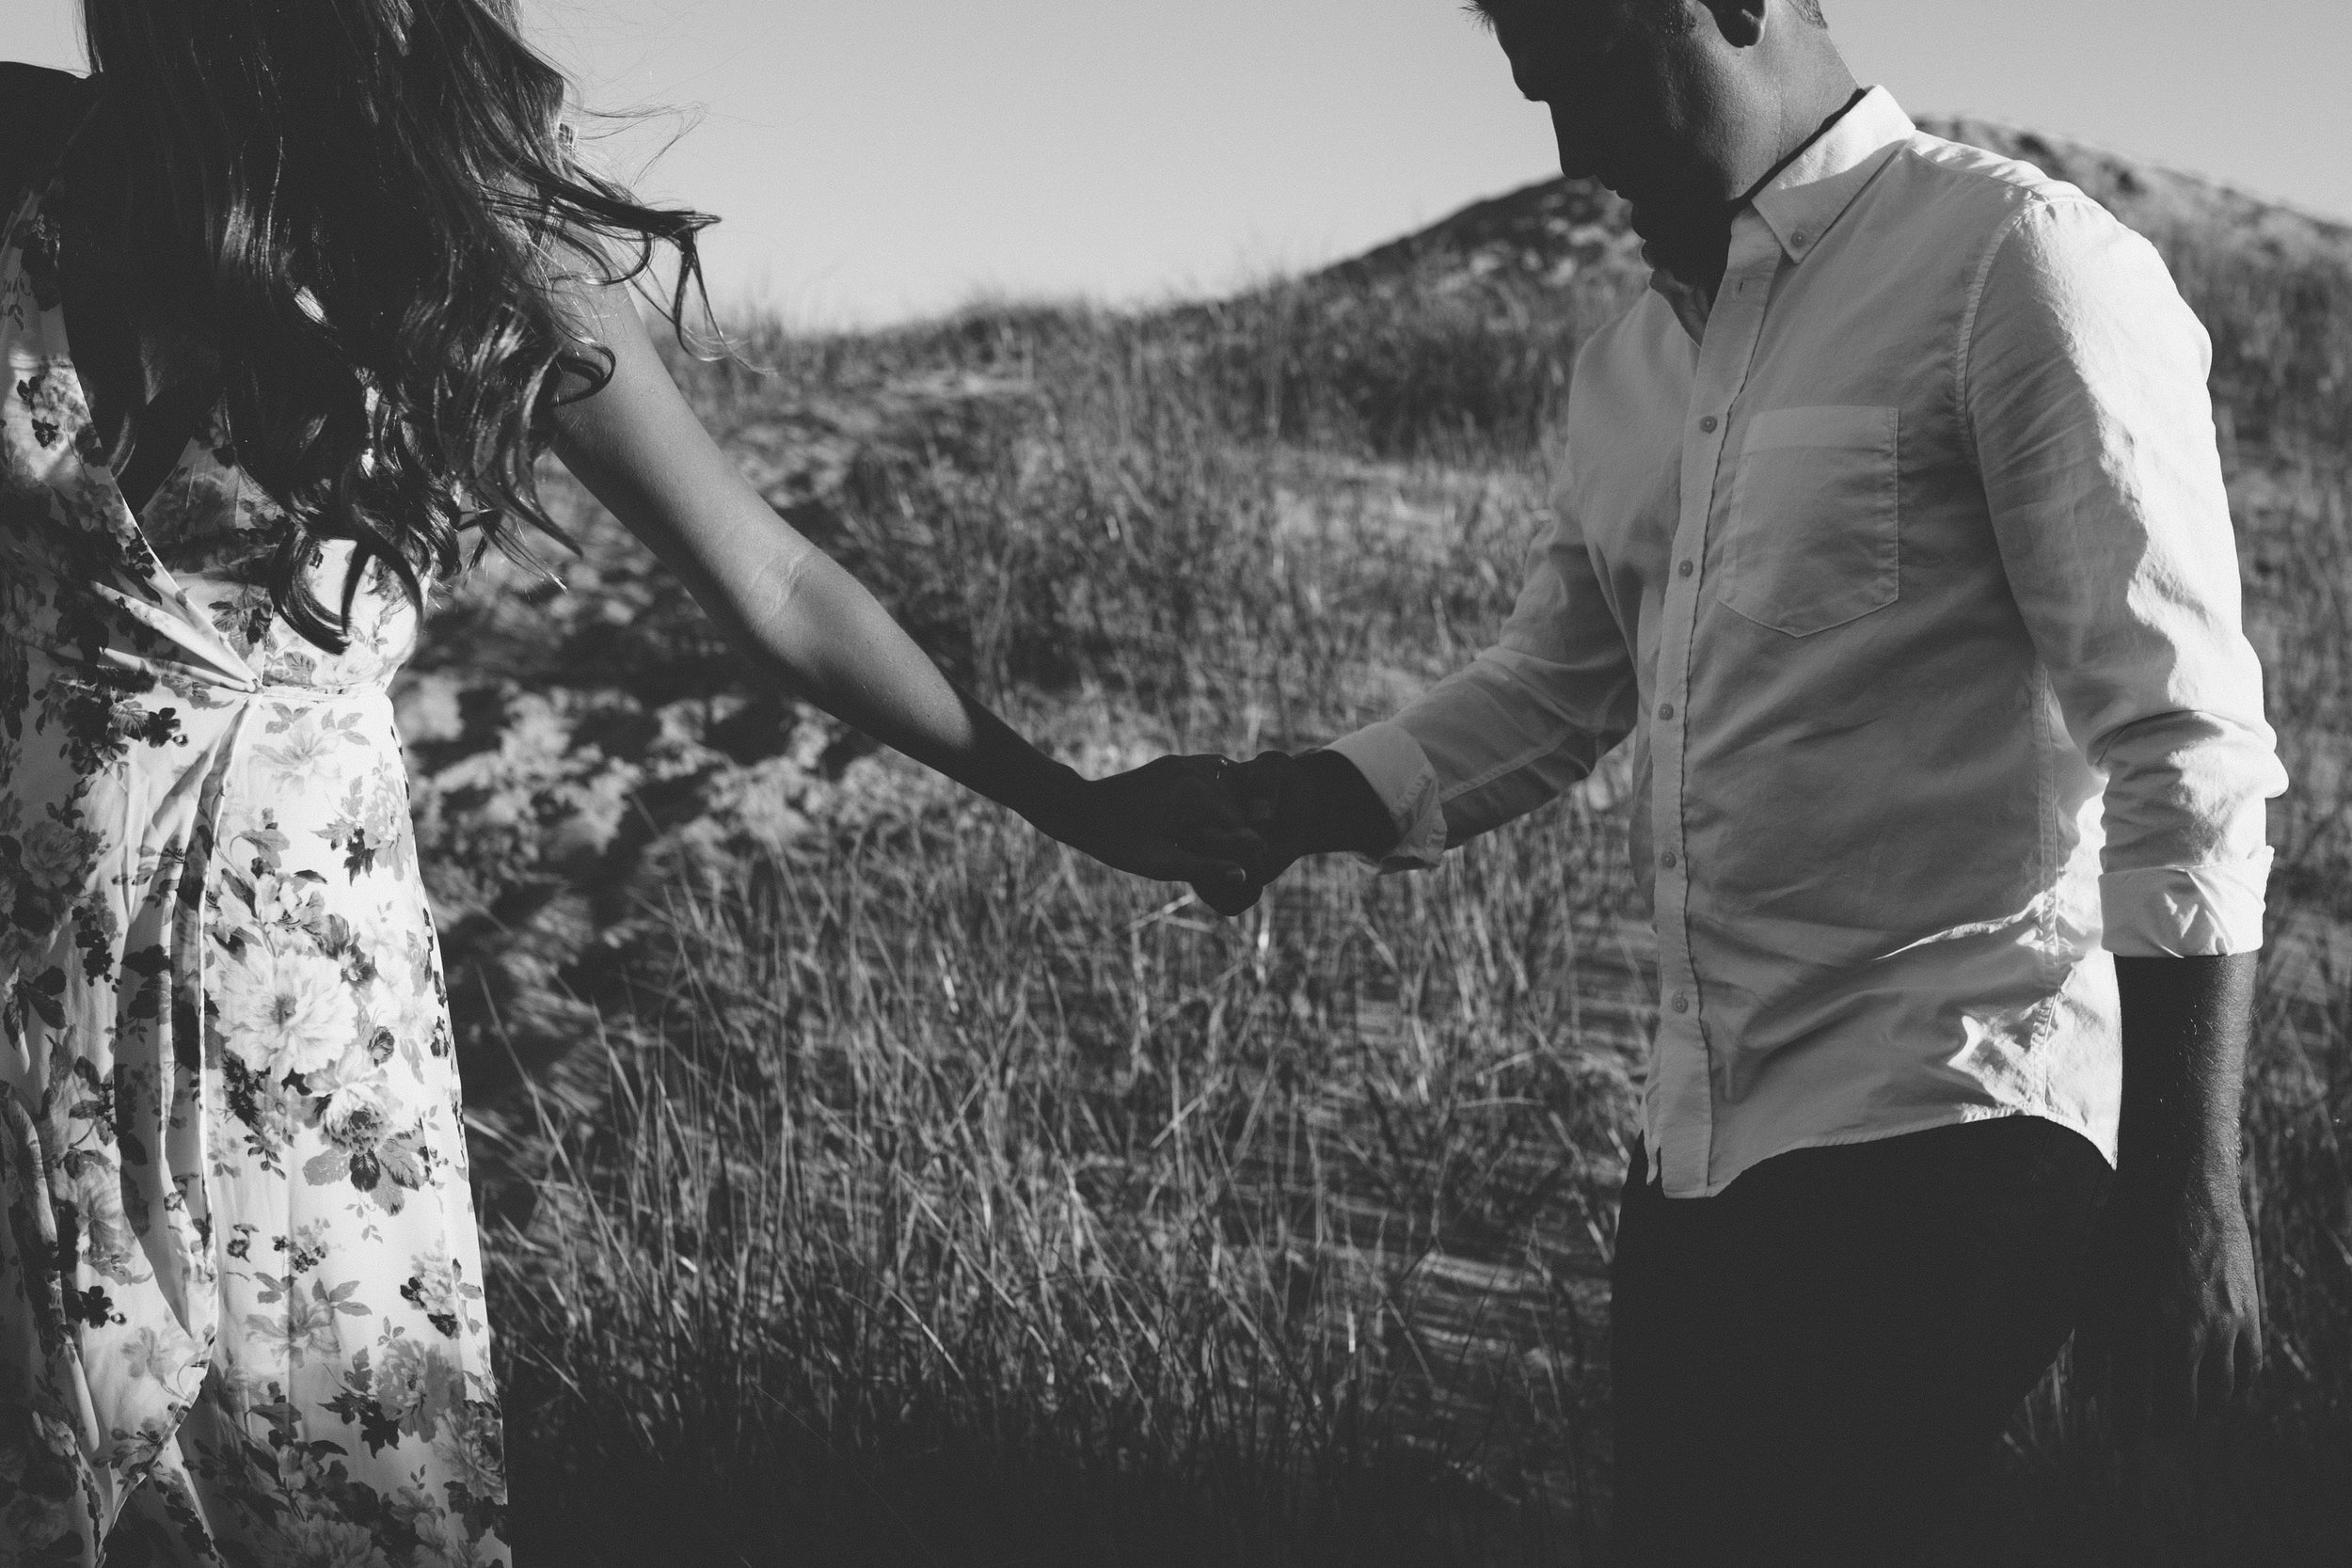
pixel 2173 1323
pixel 2186 1022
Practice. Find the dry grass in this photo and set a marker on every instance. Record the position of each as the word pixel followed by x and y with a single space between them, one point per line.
pixel 961 1203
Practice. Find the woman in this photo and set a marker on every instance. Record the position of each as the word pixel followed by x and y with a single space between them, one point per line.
pixel 291 296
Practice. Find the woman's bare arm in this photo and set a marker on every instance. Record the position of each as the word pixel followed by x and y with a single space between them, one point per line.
pixel 812 626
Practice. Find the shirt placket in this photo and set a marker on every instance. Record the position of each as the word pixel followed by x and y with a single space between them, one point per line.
pixel 1681 1103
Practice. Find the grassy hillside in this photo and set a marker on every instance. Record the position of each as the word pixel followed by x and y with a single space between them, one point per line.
pixel 873 1182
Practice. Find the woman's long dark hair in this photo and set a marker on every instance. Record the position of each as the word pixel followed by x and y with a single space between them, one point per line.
pixel 364 203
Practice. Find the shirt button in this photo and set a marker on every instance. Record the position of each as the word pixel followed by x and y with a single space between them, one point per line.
pixel 1798 237
pixel 1686 569
pixel 1708 424
pixel 1667 860
pixel 1682 1003
pixel 1665 710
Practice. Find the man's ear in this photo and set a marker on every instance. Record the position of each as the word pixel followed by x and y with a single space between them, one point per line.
pixel 1741 21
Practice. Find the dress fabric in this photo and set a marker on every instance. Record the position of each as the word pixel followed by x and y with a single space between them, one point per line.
pixel 241 1310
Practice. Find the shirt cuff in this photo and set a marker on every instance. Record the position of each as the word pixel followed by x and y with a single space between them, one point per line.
pixel 2184 911
pixel 1392 762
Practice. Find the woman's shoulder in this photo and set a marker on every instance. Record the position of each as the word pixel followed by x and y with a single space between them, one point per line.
pixel 38 106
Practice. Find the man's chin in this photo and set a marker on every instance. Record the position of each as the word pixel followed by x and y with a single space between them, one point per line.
pixel 1589 163
pixel 1587 169
pixel 1619 181
pixel 1638 193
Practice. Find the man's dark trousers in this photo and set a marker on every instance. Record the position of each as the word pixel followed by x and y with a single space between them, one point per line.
pixel 1815 1365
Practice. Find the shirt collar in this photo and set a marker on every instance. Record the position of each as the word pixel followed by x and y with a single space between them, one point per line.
pixel 1809 196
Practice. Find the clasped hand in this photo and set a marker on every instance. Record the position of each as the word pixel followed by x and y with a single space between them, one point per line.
pixel 1227 828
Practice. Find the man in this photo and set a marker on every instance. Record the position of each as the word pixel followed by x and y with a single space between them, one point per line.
pixel 1894 536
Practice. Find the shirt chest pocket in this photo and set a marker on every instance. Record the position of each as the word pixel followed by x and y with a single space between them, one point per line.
pixel 1812 540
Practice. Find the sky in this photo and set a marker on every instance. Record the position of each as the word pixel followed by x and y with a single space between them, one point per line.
pixel 877 159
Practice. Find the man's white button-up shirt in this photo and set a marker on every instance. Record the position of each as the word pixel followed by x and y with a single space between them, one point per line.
pixel 1905 562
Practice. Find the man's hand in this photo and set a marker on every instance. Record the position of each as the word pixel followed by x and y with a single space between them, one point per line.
pixel 1203 806
pixel 1315 803
pixel 1173 819
pixel 1262 814
pixel 1276 799
pixel 2173 1329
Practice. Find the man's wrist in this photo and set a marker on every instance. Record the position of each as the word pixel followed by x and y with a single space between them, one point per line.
pixel 2177 1177
pixel 1343 813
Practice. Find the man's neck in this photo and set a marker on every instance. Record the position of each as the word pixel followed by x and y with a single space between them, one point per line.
pixel 1690 240
pixel 1778 130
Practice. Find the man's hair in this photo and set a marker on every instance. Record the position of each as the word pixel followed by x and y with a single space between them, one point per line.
pixel 1667 15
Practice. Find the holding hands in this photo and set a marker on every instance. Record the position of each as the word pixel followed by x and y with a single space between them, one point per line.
pixel 1242 823
pixel 1174 820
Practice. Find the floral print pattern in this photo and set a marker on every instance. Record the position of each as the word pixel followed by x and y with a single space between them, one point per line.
pixel 241 1315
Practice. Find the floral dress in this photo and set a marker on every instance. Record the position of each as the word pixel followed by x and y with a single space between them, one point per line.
pixel 241 1314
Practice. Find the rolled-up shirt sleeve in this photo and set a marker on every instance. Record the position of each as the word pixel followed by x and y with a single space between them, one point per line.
pixel 1526 719
pixel 2084 398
